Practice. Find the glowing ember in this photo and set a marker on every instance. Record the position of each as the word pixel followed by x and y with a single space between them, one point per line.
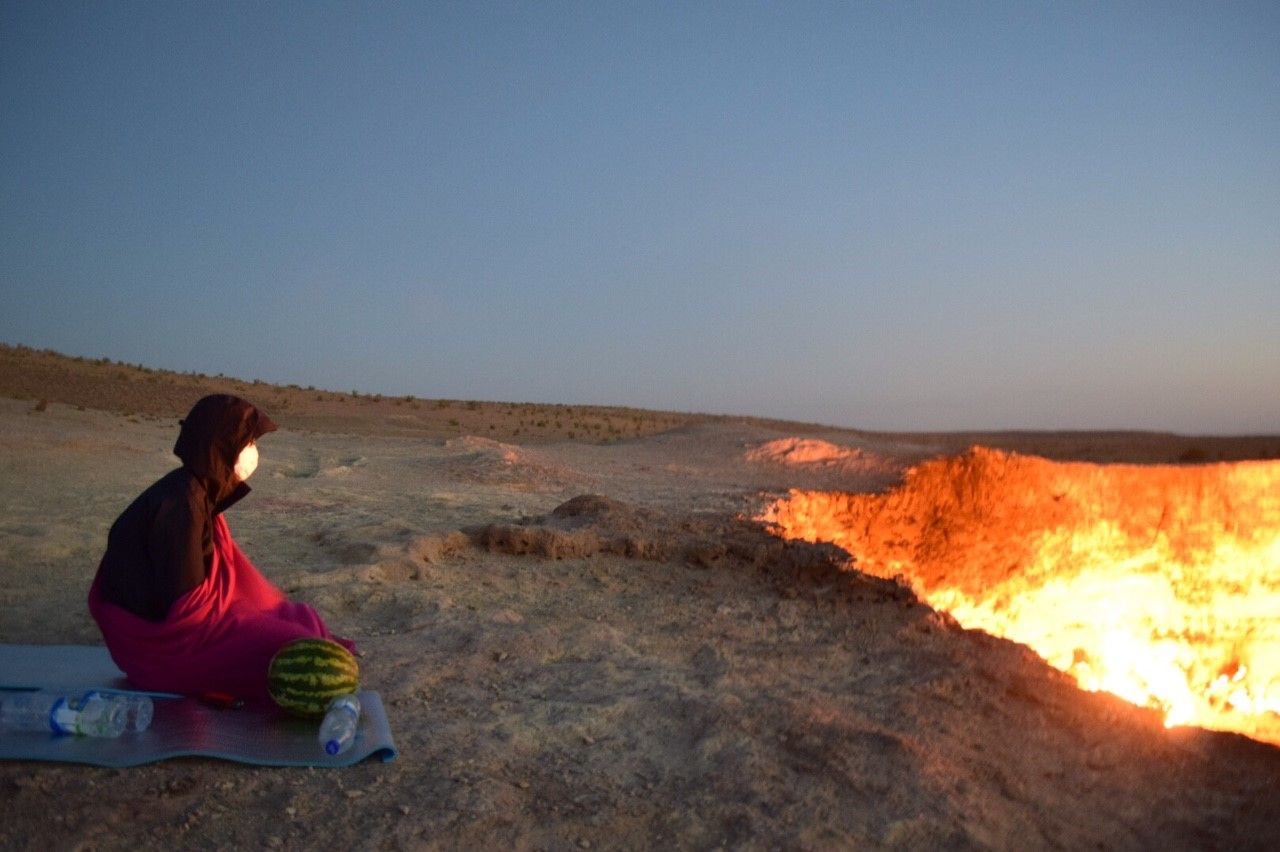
pixel 1158 584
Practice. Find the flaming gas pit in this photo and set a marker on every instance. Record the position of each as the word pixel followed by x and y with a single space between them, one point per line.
pixel 1158 584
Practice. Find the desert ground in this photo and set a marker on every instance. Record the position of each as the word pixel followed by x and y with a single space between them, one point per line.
pixel 584 640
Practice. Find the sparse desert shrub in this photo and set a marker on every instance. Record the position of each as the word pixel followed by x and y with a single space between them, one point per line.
pixel 41 405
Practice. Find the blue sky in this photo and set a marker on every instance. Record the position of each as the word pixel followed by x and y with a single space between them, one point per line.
pixel 916 216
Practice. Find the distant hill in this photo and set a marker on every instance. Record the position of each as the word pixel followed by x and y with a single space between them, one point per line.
pixel 131 389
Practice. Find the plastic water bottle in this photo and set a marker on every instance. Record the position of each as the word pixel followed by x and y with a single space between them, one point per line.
pixel 338 730
pixel 92 715
pixel 138 709
pixel 141 710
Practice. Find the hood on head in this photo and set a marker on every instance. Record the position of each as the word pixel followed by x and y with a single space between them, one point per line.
pixel 212 436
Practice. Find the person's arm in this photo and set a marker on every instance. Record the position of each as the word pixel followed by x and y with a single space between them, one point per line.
pixel 176 548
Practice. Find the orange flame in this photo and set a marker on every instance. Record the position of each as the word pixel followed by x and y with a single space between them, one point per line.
pixel 1158 584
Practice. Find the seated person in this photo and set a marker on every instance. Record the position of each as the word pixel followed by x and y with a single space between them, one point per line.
pixel 181 608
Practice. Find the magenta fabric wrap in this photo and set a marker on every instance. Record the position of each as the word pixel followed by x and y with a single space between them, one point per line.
pixel 218 637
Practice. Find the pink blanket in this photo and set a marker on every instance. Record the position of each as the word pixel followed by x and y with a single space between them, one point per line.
pixel 218 637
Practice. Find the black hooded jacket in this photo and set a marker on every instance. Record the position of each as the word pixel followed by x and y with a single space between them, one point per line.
pixel 161 547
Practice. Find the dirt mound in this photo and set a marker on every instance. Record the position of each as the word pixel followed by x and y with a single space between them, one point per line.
pixel 815 454
pixel 590 524
pixel 486 461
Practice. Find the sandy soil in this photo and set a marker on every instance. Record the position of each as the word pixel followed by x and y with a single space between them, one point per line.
pixel 586 645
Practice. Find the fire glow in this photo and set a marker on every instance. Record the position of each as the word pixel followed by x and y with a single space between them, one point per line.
pixel 1158 584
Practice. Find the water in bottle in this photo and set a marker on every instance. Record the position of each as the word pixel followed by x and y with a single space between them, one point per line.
pixel 101 717
pixel 138 709
pixel 338 730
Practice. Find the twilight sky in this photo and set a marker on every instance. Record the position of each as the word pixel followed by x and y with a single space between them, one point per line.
pixel 905 215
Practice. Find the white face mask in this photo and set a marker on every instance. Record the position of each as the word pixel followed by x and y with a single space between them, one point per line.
pixel 247 463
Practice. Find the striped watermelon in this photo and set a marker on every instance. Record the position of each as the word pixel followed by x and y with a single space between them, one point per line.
pixel 307 674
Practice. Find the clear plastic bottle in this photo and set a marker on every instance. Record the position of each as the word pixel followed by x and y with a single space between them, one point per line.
pixel 138 709
pixel 141 710
pixel 341 719
pixel 92 715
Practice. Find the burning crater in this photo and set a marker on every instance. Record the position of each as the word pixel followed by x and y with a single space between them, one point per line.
pixel 1158 584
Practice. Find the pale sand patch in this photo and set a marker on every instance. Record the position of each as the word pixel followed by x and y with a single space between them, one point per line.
pixel 635 669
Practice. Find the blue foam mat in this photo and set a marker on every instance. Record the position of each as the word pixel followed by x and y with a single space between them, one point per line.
pixel 182 727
